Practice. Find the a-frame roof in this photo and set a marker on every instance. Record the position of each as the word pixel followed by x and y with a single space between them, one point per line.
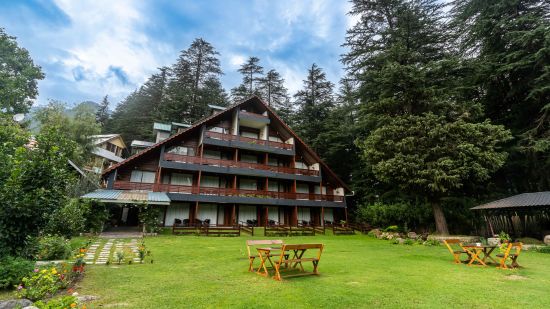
pixel 251 100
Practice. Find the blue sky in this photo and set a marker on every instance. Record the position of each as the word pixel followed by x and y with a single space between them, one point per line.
pixel 91 48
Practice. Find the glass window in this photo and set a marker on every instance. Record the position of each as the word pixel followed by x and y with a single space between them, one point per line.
pixel 182 179
pixel 182 150
pixel 273 186
pixel 275 139
pixel 248 184
pixel 142 176
pixel 249 158
pixel 302 188
pixel 212 154
pixel 299 164
pixel 249 134
pixel 210 181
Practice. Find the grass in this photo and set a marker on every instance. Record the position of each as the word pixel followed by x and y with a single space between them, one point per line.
pixel 356 271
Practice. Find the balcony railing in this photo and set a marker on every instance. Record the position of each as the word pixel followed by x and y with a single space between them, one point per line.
pixel 126 185
pixel 254 115
pixel 232 163
pixel 231 137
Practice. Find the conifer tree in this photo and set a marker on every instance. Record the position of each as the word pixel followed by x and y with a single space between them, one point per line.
pixel 314 103
pixel 102 113
pixel 420 134
pixel 252 75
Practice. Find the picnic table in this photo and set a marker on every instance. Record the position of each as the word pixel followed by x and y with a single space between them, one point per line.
pixel 479 254
pixel 284 258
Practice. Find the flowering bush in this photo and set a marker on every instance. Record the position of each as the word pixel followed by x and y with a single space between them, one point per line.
pixel 45 282
pixel 79 258
pixel 142 251
pixel 63 302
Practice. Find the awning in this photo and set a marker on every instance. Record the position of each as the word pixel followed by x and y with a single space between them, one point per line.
pixel 520 201
pixel 129 197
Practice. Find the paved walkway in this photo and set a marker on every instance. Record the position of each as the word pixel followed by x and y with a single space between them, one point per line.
pixel 107 252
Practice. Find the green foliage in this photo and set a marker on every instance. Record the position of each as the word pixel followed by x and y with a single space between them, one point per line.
pixel 432 242
pixel 543 249
pixel 409 242
pixel 45 282
pixel 96 218
pixel 56 303
pixel 51 247
pixel 149 217
pixel 392 228
pixel 12 270
pixel 401 213
pixel 70 219
pixel 35 186
pixel 18 76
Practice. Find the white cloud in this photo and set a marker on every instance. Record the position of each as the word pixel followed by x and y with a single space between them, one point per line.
pixel 102 35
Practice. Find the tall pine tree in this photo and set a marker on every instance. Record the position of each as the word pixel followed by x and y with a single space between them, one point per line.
pixel 420 136
pixel 272 89
pixel 102 113
pixel 252 74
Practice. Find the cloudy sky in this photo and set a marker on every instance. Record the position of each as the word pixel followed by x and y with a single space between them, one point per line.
pixel 91 48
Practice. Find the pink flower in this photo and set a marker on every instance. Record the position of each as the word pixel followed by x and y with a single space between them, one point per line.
pixel 20 287
pixel 36 270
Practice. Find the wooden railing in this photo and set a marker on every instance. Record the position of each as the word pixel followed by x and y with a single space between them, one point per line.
pixel 231 163
pixel 231 137
pixel 127 185
pixel 253 114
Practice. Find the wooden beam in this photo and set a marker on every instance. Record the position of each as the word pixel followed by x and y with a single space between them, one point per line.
pixel 323 216
pixel 233 219
pixel 295 216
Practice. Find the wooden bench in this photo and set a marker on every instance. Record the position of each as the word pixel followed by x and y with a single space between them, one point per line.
pixel 219 230
pixel 251 244
pixel 342 230
pixel 297 258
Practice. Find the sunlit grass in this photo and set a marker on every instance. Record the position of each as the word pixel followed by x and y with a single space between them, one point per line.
pixel 356 271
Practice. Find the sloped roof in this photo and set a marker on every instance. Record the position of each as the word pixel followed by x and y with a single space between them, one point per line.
pixel 535 199
pixel 125 197
pixel 136 143
pixel 162 126
pixel 102 138
pixel 220 114
pixel 104 153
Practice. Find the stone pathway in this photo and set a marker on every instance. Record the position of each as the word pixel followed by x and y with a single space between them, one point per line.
pixel 107 253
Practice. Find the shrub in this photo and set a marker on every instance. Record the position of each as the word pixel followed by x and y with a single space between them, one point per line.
pixel 12 270
pixel 63 302
pixel 68 220
pixel 432 242
pixel 404 214
pixel 371 234
pixel 42 283
pixel 53 248
pixel 95 220
pixel 149 217
pixel 391 228
pixel 544 249
pixel 409 242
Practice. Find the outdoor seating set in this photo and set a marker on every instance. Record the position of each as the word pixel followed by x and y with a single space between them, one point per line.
pixel 282 258
pixel 480 254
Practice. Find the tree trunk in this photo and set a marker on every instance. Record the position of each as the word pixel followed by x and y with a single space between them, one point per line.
pixel 440 221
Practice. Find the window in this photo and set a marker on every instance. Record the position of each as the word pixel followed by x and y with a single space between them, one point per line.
pixel 210 181
pixel 248 184
pixel 273 186
pixel 275 139
pixel 142 176
pixel 182 150
pixel 302 188
pixel 299 164
pixel 273 161
pixel 182 179
pixel 212 154
pixel 249 134
pixel 249 158
pixel 218 130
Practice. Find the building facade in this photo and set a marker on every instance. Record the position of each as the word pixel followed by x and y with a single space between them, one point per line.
pixel 240 165
pixel 109 150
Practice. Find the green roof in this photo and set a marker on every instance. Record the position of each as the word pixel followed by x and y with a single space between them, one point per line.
pixel 162 127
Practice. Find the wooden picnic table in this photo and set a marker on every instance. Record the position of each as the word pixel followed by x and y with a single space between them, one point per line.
pixel 479 254
pixel 297 258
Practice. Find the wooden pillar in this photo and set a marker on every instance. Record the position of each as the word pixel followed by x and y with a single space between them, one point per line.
pixel 156 186
pixel 322 216
pixel 346 215
pixel 196 212
pixel 233 221
pixel 295 216
pixel 266 215
pixel 164 217
pixel 236 154
pixel 258 215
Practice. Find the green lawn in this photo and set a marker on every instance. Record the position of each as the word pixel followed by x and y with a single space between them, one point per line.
pixel 356 271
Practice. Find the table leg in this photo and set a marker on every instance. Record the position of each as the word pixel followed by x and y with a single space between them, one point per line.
pixel 487 252
pixel 265 273
pixel 475 257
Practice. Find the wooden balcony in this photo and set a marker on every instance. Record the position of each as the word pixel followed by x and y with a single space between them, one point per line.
pixel 231 137
pixel 238 164
pixel 126 185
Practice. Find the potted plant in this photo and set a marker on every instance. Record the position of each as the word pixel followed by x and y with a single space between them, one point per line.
pixel 79 263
